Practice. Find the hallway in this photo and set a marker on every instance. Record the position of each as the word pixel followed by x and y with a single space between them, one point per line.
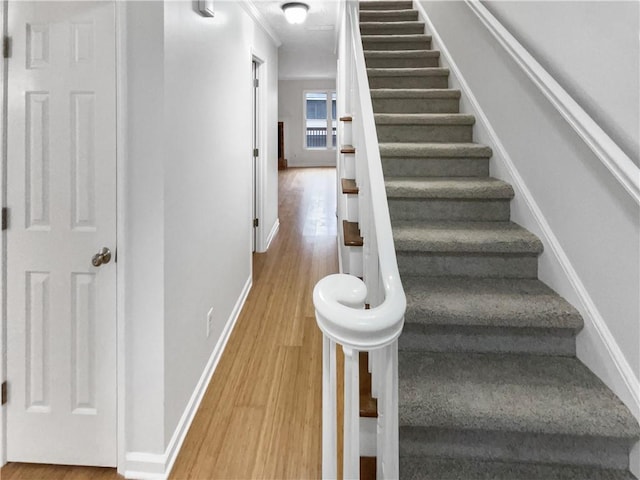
pixel 261 415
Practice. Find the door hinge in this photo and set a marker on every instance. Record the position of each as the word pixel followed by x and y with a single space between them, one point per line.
pixel 6 47
pixel 256 83
pixel 5 218
pixel 4 393
pixel 255 222
pixel 256 152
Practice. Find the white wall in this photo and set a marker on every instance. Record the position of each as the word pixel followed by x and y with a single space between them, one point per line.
pixel 270 95
pixel 591 48
pixel 208 155
pixel 309 65
pixel 189 204
pixel 595 222
pixel 142 255
pixel 291 112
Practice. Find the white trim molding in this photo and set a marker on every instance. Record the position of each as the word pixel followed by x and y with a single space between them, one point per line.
pixel 627 386
pixel 147 466
pixel 609 153
pixel 250 7
pixel 272 234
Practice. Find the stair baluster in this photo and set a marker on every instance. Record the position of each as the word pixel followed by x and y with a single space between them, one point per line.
pixel 340 299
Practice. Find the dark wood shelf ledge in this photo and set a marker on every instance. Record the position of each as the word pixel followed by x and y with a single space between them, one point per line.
pixel 368 404
pixel 352 236
pixel 349 186
pixel 348 149
pixel 367 468
pixel 346 118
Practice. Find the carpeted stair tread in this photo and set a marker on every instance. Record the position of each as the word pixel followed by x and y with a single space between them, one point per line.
pixel 424 119
pixel 465 237
pixel 462 301
pixel 401 54
pixel 414 93
pixel 509 393
pixel 386 5
pixel 489 386
pixel 388 15
pixel 411 37
pixel 435 150
pixel 375 25
pixel 408 72
pixel 448 187
pixel 430 468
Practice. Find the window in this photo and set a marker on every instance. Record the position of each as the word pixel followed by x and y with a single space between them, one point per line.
pixel 320 112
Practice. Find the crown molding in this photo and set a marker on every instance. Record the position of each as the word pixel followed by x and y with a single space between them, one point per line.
pixel 250 7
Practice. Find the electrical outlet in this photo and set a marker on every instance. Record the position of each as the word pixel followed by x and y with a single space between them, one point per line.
pixel 209 321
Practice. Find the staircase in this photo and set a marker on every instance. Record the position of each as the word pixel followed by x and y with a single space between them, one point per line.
pixel 489 385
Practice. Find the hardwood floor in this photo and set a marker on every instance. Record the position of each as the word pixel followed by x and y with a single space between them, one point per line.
pixel 261 415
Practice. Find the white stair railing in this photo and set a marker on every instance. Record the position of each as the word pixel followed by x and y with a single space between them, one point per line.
pixel 340 299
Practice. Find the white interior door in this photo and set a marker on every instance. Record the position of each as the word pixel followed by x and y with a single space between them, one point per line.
pixel 256 153
pixel 61 192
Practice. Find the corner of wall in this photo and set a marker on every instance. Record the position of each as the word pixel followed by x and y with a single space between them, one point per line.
pixel 142 465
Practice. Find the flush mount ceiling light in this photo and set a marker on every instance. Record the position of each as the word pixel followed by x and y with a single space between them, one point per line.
pixel 295 12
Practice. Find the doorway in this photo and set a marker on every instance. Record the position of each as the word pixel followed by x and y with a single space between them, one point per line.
pixel 255 132
pixel 60 273
pixel 259 156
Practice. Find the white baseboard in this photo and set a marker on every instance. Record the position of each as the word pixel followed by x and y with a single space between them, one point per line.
pixel 612 366
pixel 634 460
pixel 272 234
pixel 147 466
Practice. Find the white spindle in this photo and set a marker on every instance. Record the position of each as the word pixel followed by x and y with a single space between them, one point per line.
pixel 329 410
pixel 390 451
pixel 339 299
pixel 351 415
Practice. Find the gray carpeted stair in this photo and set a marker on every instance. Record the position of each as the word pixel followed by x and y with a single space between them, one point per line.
pixel 389 16
pixel 424 127
pixel 434 468
pixel 426 77
pixel 391 28
pixel 427 100
pixel 489 386
pixel 448 198
pixel 402 58
pixel 396 42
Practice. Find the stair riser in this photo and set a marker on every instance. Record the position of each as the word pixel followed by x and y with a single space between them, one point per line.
pixel 381 5
pixel 425 133
pixel 435 167
pixel 379 44
pixel 507 446
pixel 416 105
pixel 445 338
pixel 454 210
pixel 389 16
pixel 410 62
pixel 419 81
pixel 472 265
pixel 400 29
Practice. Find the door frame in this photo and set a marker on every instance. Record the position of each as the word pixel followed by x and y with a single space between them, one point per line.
pixel 121 23
pixel 121 163
pixel 260 175
pixel 3 244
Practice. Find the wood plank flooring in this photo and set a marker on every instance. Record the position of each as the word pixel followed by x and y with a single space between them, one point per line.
pixel 261 415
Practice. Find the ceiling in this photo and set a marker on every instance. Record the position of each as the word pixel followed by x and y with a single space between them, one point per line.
pixel 307 50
